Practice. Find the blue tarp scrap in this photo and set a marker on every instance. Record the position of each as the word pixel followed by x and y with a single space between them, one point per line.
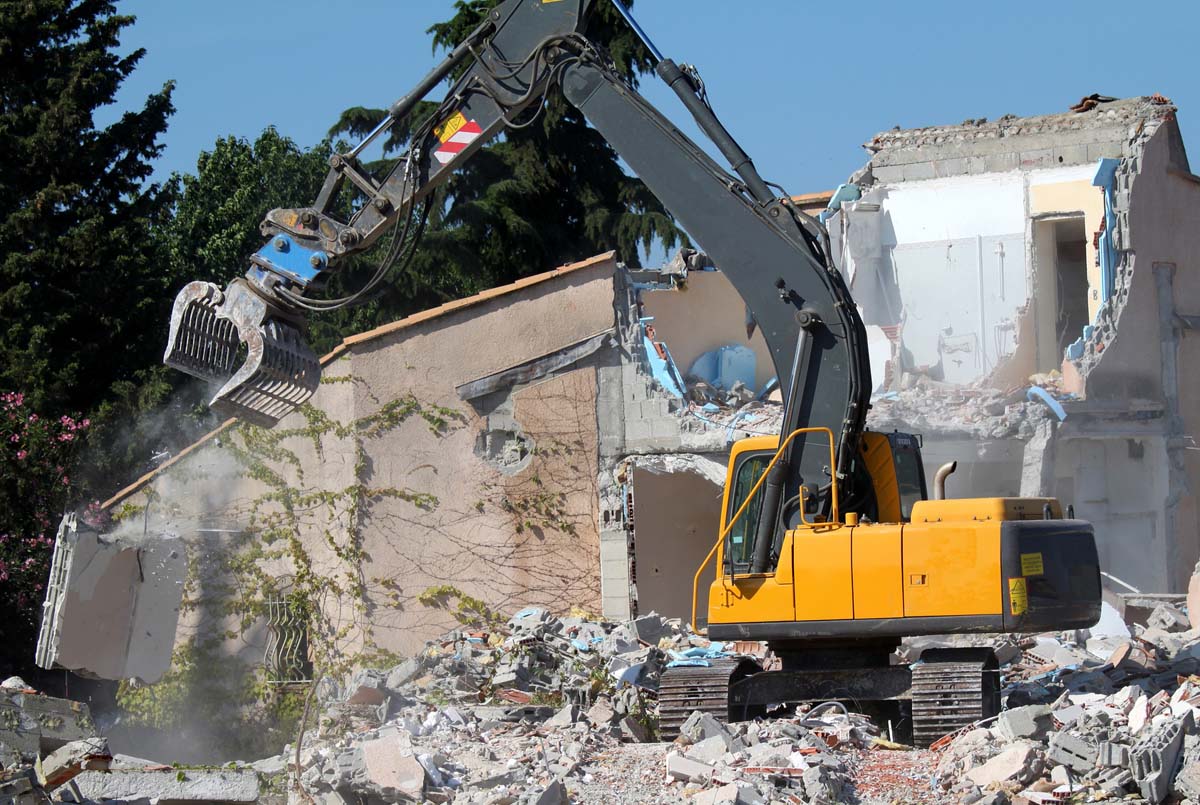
pixel 580 645
pixel 1039 393
pixel 663 370
pixel 689 664
pixel 844 193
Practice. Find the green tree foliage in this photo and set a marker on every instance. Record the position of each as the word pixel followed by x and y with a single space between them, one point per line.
pixel 540 196
pixel 81 292
pixel 216 222
pixel 36 456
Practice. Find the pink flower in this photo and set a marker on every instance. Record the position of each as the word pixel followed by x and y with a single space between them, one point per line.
pixel 85 423
pixel 33 417
pixel 14 438
pixel 21 454
pixel 66 481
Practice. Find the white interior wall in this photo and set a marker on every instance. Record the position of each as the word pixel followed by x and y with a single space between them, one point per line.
pixel 676 523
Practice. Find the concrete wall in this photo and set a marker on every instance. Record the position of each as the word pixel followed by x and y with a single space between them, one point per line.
pixel 1118 484
pixel 510 536
pixel 1151 357
pixel 678 517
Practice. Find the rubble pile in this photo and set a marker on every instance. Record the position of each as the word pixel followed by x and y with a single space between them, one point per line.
pixel 976 413
pixel 1103 717
pixel 49 751
pixel 545 709
pixel 549 710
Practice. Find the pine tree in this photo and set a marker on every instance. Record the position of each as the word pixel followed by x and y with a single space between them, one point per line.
pixel 540 196
pixel 83 296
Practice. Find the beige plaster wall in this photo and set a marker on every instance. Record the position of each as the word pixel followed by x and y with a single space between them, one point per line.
pixel 1164 227
pixel 1071 197
pixel 511 540
pixel 705 314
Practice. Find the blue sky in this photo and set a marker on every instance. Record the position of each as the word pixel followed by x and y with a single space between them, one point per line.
pixel 802 85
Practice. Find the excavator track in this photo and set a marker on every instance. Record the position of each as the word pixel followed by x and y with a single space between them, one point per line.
pixel 952 689
pixel 686 689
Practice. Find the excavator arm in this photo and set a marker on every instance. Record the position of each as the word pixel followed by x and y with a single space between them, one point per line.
pixel 774 255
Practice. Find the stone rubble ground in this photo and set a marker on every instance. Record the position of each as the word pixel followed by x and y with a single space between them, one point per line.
pixel 553 710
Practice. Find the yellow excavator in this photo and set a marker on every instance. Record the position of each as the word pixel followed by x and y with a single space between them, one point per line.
pixel 830 550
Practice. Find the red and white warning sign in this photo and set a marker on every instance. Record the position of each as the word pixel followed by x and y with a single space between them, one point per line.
pixel 455 134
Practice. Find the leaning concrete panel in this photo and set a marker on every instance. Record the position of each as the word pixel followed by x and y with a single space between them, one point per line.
pixel 111 606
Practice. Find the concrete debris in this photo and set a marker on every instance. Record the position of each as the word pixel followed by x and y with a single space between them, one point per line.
pixel 558 709
pixel 112 605
pixel 1085 727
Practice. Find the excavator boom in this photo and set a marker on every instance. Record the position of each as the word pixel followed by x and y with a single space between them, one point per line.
pixel 772 253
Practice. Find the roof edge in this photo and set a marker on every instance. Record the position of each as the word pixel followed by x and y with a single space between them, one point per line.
pixel 466 302
pixel 370 335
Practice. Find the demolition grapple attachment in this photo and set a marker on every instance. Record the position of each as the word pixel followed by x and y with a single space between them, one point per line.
pixel 212 331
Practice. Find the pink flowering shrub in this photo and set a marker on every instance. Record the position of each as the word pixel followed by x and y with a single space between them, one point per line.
pixel 38 454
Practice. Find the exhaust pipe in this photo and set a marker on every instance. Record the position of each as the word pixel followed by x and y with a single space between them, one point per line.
pixel 939 479
pixel 212 331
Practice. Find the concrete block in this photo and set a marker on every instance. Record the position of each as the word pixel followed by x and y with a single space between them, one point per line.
pixel 70 760
pixel 1076 154
pixel 700 726
pixel 1112 754
pixel 632 731
pixel 1039 158
pixel 1155 760
pixel 392 770
pixel 1066 749
pixel 1168 618
pixel 955 166
pixel 30 723
pixel 171 785
pixel 1002 163
pixel 710 750
pixel 918 171
pixel 1014 763
pixel 688 770
pixel 553 794
pixel 564 717
pixel 976 165
pixel 1107 150
pixel 888 174
pixel 1032 721
pixel 1116 782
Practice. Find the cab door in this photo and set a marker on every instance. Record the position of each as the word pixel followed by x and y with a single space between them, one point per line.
pixel 740 596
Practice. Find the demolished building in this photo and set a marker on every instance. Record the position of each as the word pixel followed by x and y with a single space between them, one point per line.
pixel 1050 260
pixel 562 441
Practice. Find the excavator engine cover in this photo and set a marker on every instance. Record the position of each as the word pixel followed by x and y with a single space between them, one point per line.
pixel 211 330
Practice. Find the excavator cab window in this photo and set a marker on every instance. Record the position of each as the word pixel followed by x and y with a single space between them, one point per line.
pixel 739 544
pixel 910 471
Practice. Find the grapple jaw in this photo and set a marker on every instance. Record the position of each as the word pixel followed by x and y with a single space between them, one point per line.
pixel 212 330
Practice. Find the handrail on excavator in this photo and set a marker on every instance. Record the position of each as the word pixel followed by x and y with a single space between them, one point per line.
pixel 835 514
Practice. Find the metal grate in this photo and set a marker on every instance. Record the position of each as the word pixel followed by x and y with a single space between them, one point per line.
pixel 287 659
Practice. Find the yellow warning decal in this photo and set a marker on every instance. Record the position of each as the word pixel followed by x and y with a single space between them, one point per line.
pixel 1018 596
pixel 450 126
pixel 1031 564
pixel 547 2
